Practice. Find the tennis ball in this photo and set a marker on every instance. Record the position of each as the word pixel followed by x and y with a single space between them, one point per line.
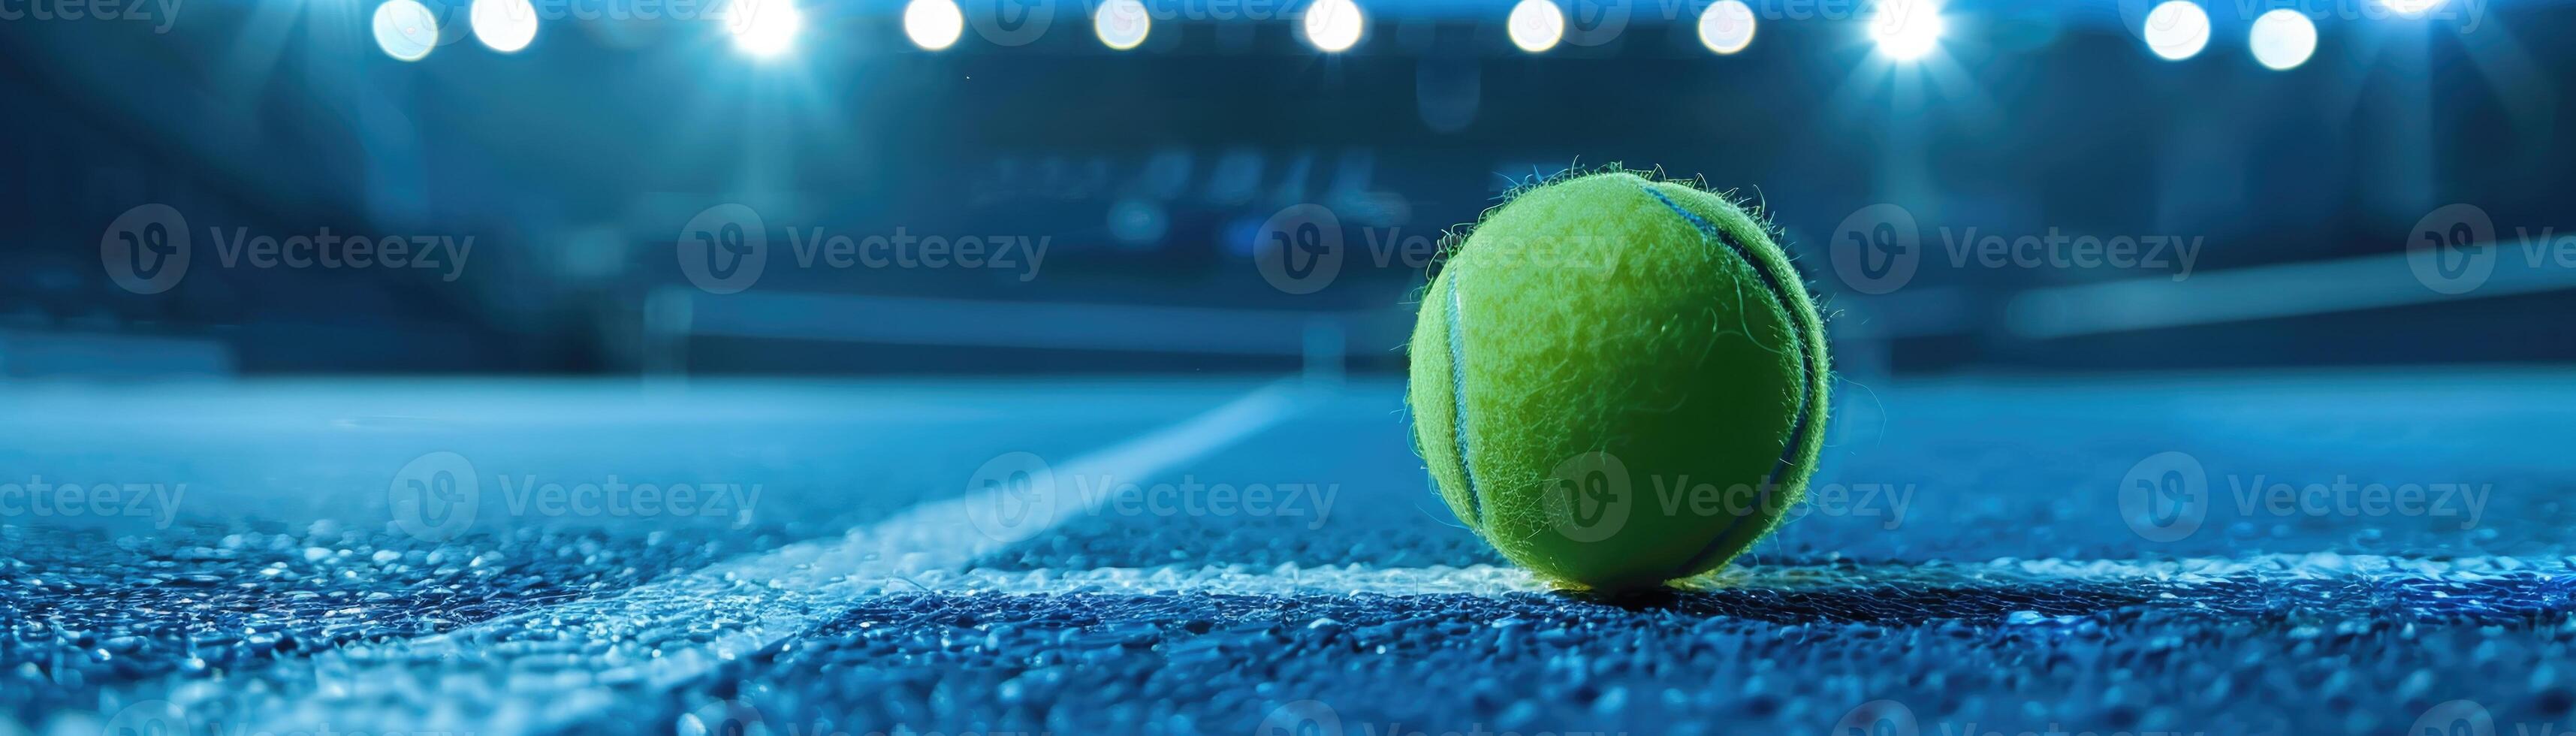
pixel 1618 382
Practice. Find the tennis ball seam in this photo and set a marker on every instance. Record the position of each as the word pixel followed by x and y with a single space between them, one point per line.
pixel 1458 405
pixel 1799 432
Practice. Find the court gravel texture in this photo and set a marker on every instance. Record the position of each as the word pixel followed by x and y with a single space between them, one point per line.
pixel 2367 553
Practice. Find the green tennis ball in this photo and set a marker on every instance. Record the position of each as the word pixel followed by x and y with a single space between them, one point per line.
pixel 1619 382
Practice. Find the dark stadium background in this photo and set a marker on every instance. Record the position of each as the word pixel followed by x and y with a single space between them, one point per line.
pixel 574 169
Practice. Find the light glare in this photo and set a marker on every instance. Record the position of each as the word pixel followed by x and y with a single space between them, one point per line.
pixel 1122 24
pixel 504 25
pixel 1535 25
pixel 765 28
pixel 2410 8
pixel 405 29
pixel 1726 27
pixel 1906 29
pixel 1334 26
pixel 2177 29
pixel 933 24
pixel 2283 39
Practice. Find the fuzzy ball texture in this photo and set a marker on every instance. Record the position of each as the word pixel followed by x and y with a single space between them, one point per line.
pixel 1619 382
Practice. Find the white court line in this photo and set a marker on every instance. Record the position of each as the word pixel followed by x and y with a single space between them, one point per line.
pixel 552 666
pixel 1292 579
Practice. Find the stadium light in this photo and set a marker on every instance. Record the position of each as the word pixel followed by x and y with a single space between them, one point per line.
pixel 1726 26
pixel 764 28
pixel 1122 24
pixel 1906 29
pixel 2411 8
pixel 933 24
pixel 405 29
pixel 2283 39
pixel 504 25
pixel 1535 25
pixel 1334 26
pixel 2177 29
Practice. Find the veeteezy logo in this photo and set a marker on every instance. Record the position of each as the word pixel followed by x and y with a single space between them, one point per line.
pixel 148 250
pixel 2168 496
pixel 2455 249
pixel 1879 248
pixel 1016 495
pixel 37 498
pixel 725 248
pixel 437 496
pixel 1591 496
pixel 162 14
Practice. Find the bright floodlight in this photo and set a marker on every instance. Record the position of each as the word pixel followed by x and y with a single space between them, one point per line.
pixel 1726 27
pixel 504 25
pixel 2177 29
pixel 1334 25
pixel 933 24
pixel 1535 25
pixel 405 29
pixel 1906 29
pixel 2283 39
pixel 2410 8
pixel 1122 24
pixel 764 27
